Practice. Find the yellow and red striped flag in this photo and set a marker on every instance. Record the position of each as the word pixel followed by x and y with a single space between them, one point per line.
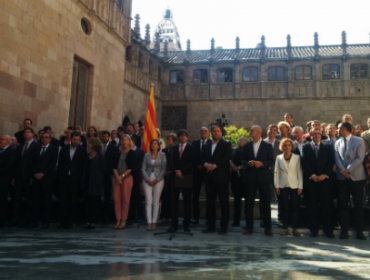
pixel 150 131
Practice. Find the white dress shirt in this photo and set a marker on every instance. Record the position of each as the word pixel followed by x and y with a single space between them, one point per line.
pixel 183 147
pixel 256 146
pixel 214 145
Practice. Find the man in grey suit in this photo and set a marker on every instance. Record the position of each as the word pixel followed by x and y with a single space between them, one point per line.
pixel 351 176
pixel 272 132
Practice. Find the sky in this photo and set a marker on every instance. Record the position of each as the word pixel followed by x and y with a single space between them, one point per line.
pixel 201 20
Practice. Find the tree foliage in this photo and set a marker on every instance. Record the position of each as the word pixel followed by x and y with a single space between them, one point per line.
pixel 234 134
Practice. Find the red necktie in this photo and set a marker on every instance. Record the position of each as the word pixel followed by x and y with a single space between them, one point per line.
pixel 181 150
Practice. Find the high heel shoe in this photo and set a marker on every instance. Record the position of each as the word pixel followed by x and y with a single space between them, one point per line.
pixel 122 225
pixel 117 225
pixel 154 226
pixel 149 227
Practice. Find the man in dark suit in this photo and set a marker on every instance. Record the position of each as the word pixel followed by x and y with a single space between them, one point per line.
pixel 8 157
pixel 136 197
pixel 27 155
pixel 72 159
pixel 55 142
pixel 183 165
pixel 43 179
pixel 199 172
pixel 298 139
pixel 318 161
pixel 315 124
pixel 216 157
pixel 130 130
pixel 349 156
pixel 27 123
pixel 258 157
pixel 110 151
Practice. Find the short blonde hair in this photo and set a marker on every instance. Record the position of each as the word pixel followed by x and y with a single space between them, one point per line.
pixel 286 124
pixel 128 137
pixel 283 141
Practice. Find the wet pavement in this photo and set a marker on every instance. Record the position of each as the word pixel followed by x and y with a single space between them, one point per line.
pixel 134 253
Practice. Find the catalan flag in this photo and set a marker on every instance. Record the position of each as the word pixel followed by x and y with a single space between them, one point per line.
pixel 150 131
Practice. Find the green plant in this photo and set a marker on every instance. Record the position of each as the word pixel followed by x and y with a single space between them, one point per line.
pixel 233 134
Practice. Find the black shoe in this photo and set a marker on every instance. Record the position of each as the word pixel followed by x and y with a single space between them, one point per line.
pixel 61 226
pixel 186 228
pixel 13 224
pixel 33 225
pixel 343 235
pixel 329 234
pixel 68 226
pixel 262 224
pixel 194 222
pixel 248 231
pixel 171 229
pixel 45 226
pixel 360 236
pixel 235 224
pixel 268 232
pixel 314 234
pixel 222 231
pixel 209 230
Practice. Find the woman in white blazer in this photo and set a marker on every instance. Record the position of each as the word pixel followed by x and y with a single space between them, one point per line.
pixel 288 184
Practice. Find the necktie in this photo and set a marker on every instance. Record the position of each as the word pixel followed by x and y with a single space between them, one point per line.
pixel 317 150
pixel 43 150
pixel 104 148
pixel 345 145
pixel 203 144
pixel 25 148
pixel 181 150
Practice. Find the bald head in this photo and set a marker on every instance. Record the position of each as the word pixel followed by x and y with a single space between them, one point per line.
pixel 204 133
pixel 5 140
pixel 256 132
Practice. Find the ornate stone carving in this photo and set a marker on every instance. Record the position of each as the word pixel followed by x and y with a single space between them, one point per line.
pixel 174 118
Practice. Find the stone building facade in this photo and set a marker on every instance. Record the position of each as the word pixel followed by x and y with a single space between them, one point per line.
pixel 257 86
pixel 61 62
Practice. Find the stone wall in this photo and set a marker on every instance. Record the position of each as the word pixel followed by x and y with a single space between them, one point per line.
pixel 40 39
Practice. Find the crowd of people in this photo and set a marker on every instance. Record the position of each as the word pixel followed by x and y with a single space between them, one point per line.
pixel 326 167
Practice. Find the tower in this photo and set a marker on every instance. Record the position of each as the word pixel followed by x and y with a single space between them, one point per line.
pixel 167 31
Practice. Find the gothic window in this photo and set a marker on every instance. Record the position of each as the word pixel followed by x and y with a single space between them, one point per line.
pixel 225 75
pixel 174 118
pixel 141 61
pixel 250 74
pixel 200 76
pixel 128 53
pixel 276 74
pixel 120 4
pixel 177 77
pixel 359 71
pixel 80 81
pixel 330 71
pixel 303 73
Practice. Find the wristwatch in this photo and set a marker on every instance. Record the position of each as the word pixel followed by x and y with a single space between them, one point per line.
pixel 123 175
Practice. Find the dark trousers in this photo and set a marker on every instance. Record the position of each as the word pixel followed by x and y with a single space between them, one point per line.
pixel 238 189
pixel 92 208
pixel 264 191
pixel 4 191
pixel 214 190
pixel 289 207
pixel 320 205
pixel 136 205
pixel 22 189
pixel 107 182
pixel 197 187
pixel 166 199
pixel 186 197
pixel 42 200
pixel 68 194
pixel 345 189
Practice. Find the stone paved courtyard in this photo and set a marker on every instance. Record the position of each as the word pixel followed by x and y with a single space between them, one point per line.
pixel 134 253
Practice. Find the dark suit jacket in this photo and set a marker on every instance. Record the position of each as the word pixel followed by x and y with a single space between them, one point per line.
pixel 187 162
pixel 198 152
pixel 46 163
pixel 95 184
pixel 75 166
pixel 221 158
pixel 138 161
pixel 8 160
pixel 321 165
pixel 261 175
pixel 110 156
pixel 26 163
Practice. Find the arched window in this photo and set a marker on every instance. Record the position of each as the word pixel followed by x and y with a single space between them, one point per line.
pixel 225 75
pixel 330 71
pixel 359 71
pixel 250 74
pixel 200 76
pixel 303 73
pixel 141 61
pixel 177 77
pixel 276 73
pixel 128 53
